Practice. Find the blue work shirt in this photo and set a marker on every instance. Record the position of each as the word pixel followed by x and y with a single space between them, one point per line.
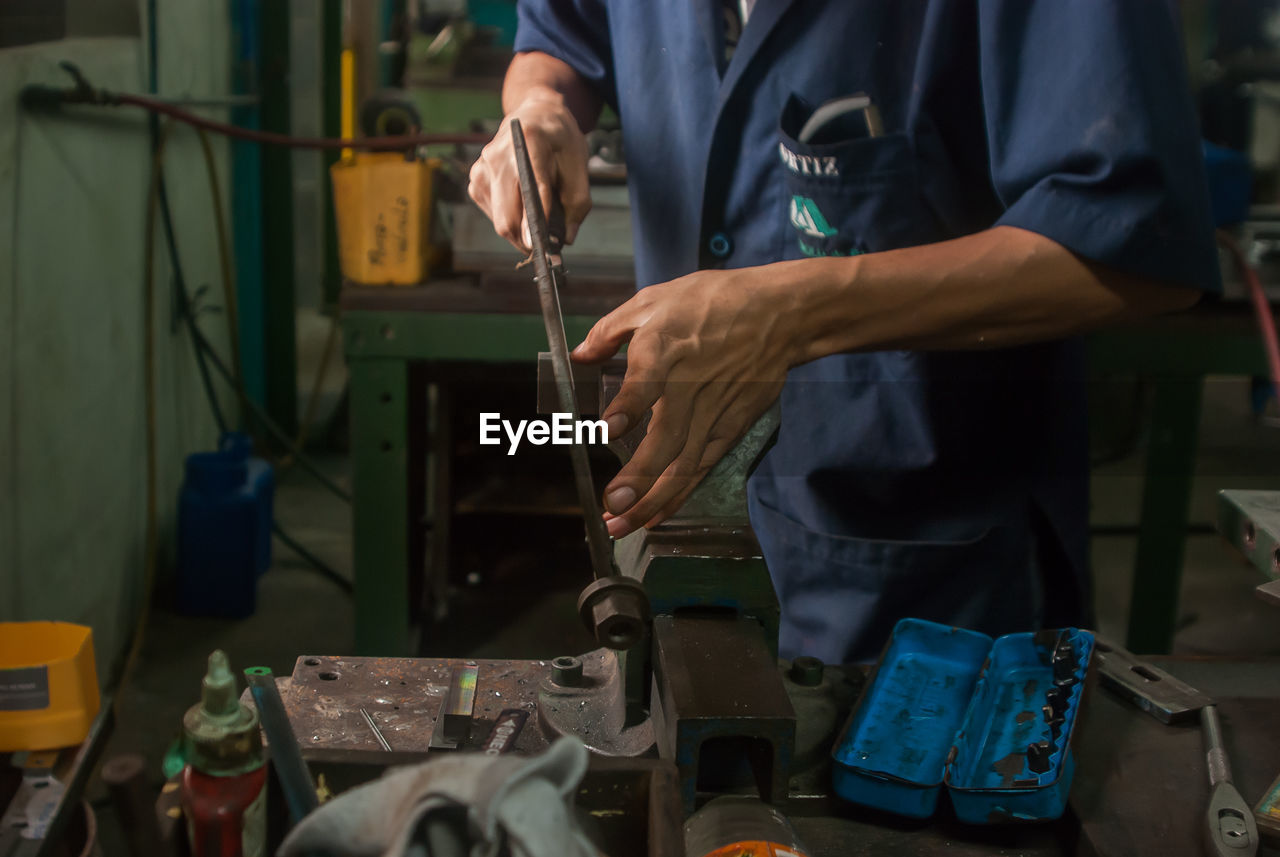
pixel 945 485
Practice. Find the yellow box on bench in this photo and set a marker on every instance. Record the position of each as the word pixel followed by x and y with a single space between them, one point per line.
pixel 48 685
pixel 382 202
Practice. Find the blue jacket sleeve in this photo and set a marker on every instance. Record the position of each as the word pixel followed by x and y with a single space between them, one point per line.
pixel 1092 136
pixel 574 31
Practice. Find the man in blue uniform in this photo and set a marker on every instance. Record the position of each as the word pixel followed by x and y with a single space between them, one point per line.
pixel 909 289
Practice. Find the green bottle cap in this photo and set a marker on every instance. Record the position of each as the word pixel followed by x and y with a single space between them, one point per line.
pixel 219 693
pixel 221 735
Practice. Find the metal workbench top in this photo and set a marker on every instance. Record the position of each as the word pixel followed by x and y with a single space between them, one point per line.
pixel 1140 787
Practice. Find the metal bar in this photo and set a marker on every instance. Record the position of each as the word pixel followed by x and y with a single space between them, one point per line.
pixel 377 733
pixel 380 513
pixel 286 757
pixel 1166 500
pixel 1161 695
pixel 459 704
pixel 547 272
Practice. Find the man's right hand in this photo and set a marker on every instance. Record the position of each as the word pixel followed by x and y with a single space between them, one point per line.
pixel 558 150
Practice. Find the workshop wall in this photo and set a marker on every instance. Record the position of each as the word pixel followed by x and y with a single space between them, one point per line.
pixel 73 192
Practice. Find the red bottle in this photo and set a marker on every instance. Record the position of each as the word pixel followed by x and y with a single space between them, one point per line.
pixel 223 794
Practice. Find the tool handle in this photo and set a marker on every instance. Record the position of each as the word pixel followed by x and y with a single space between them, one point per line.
pixel 286 757
pixel 1214 748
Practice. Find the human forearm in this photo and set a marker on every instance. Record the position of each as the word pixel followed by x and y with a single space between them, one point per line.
pixel 1001 287
pixel 539 76
pixel 710 351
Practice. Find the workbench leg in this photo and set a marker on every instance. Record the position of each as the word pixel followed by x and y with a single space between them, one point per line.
pixel 1166 502
pixel 380 512
pixel 439 499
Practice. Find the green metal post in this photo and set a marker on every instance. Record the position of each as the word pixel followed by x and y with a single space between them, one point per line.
pixel 1166 501
pixel 246 202
pixel 277 221
pixel 380 512
pixel 331 88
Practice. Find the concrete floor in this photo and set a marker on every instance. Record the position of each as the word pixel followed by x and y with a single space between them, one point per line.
pixel 300 612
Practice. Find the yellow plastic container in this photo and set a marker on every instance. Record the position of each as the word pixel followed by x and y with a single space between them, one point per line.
pixel 383 207
pixel 48 685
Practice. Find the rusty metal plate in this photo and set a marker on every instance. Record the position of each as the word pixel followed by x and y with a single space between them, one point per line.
pixel 405 697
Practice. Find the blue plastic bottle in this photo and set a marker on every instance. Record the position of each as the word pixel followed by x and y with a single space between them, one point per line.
pixel 262 479
pixel 224 530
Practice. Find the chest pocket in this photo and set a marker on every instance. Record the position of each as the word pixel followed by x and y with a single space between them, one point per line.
pixel 849 193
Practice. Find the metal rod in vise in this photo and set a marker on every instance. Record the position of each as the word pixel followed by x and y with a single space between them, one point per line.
pixel 547 275
pixel 286 757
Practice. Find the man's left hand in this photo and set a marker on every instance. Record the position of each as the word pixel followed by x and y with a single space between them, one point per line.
pixel 709 351
pixel 708 354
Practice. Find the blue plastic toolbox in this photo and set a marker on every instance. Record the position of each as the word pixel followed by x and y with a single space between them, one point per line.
pixel 991 720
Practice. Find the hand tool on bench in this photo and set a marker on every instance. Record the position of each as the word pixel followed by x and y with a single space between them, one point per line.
pixel 1230 828
pixel 614 606
pixel 286 757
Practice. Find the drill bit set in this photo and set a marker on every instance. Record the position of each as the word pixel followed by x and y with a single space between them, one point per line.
pixel 1060 699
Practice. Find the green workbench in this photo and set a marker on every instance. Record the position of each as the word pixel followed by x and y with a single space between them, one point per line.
pixel 388 334
pixel 494 320
pixel 1173 354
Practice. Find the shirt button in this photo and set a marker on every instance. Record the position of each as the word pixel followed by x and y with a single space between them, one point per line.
pixel 720 245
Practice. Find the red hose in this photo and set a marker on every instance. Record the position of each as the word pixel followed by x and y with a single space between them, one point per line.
pixel 1261 307
pixel 375 144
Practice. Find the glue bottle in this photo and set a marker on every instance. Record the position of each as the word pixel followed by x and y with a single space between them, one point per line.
pixel 223 794
pixel 739 826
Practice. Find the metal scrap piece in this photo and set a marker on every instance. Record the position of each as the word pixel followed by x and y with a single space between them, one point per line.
pixel 377 733
pixel 1164 697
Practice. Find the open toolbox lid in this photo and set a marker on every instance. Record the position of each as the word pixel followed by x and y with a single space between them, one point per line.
pixel 990 719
